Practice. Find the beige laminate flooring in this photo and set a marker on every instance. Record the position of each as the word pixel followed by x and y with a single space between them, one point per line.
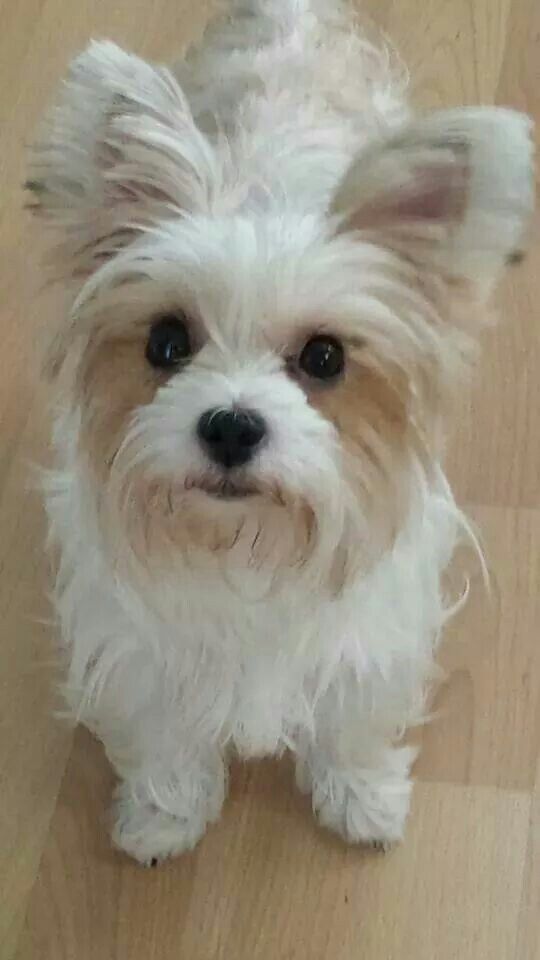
pixel 266 884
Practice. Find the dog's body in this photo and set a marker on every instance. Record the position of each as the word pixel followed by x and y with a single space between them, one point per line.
pixel 250 667
pixel 293 601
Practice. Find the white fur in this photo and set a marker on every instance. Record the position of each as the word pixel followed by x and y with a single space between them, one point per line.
pixel 216 195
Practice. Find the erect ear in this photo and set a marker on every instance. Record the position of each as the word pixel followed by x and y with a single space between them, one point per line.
pixel 455 188
pixel 119 152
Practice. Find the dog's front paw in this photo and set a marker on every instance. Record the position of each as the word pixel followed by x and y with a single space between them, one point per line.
pixel 368 806
pixel 151 835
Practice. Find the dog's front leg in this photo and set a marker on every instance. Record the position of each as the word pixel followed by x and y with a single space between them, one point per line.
pixel 172 778
pixel 358 778
pixel 160 813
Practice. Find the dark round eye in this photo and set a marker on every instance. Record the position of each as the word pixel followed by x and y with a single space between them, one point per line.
pixel 323 358
pixel 168 343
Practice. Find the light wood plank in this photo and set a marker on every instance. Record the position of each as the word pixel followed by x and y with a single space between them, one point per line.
pixel 267 883
pixel 528 939
pixel 487 728
pixel 497 451
pixel 453 48
pixel 34 748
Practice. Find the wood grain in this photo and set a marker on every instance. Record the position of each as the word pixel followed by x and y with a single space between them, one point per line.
pixel 265 883
pixel 489 700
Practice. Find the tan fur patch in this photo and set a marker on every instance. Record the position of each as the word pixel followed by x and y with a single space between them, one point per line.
pixel 364 398
pixel 117 379
pixel 369 408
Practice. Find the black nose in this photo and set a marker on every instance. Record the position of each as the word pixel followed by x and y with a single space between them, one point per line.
pixel 231 437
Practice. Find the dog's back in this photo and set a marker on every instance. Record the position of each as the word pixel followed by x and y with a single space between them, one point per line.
pixel 294 89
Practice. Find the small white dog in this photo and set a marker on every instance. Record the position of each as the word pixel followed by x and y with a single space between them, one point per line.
pixel 274 274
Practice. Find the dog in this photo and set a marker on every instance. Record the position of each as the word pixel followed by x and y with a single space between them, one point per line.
pixel 275 273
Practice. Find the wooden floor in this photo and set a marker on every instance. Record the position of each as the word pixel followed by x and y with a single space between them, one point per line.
pixel 265 884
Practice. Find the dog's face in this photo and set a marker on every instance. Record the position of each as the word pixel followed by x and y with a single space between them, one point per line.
pixel 266 385
pixel 250 385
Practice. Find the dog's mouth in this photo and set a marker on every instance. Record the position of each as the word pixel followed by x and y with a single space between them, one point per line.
pixel 223 488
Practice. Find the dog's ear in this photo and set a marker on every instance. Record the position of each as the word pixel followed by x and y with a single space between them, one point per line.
pixel 455 188
pixel 119 152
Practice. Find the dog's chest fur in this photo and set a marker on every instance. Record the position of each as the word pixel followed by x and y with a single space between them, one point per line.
pixel 246 664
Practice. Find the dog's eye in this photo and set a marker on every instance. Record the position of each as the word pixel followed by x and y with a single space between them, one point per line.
pixel 323 358
pixel 168 343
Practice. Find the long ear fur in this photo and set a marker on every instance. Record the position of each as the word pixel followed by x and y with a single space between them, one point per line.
pixel 119 152
pixel 456 187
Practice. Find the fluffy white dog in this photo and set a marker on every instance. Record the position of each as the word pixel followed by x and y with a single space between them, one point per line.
pixel 274 272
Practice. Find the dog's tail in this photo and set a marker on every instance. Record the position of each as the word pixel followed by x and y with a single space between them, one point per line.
pixel 285 16
pixel 293 33
pixel 252 23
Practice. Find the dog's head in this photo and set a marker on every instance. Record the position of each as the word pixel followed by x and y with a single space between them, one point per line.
pixel 258 382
